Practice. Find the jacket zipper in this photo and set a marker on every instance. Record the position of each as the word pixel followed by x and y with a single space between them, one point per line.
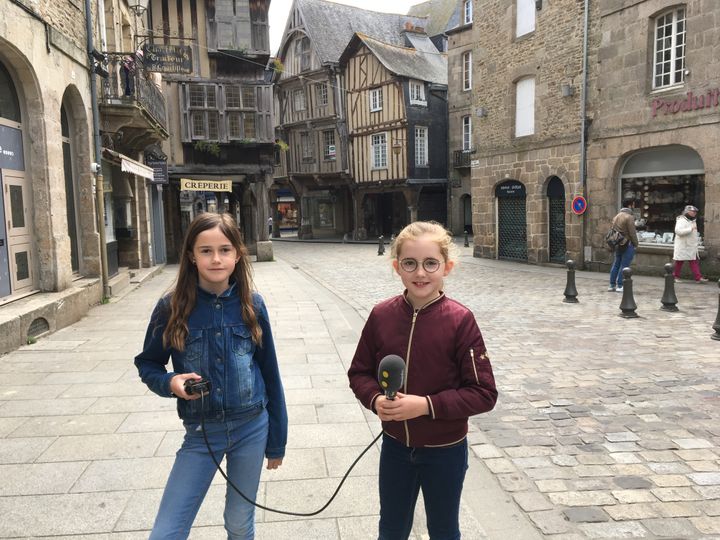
pixel 407 370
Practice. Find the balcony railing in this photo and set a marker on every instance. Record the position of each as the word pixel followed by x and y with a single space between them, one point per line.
pixel 128 82
pixel 461 158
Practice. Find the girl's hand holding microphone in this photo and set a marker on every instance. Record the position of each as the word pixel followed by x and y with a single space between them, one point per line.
pixel 403 407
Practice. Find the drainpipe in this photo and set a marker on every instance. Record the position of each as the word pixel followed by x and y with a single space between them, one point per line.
pixel 99 192
pixel 583 125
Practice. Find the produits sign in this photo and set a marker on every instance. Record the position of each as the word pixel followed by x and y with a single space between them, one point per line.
pixel 187 184
pixel 167 58
pixel 11 149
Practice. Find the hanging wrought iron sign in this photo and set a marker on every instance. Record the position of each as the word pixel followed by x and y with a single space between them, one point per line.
pixel 167 58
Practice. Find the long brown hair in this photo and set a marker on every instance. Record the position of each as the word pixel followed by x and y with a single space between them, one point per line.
pixel 185 294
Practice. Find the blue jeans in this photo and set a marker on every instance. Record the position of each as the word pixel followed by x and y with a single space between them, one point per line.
pixel 404 471
pixel 243 443
pixel 622 260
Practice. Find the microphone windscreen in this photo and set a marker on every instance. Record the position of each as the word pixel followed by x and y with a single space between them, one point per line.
pixel 391 372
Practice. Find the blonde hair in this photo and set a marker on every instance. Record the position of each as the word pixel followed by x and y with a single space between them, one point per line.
pixel 434 230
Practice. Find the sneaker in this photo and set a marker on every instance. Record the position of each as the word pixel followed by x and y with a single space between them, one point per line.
pixel 619 289
pixel 702 280
pixel 611 288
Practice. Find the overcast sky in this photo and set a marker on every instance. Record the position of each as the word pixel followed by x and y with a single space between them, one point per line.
pixel 279 10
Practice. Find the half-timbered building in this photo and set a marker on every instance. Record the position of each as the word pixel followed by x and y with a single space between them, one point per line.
pixel 310 111
pixel 397 128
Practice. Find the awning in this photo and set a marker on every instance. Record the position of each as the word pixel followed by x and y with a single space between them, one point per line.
pixel 129 165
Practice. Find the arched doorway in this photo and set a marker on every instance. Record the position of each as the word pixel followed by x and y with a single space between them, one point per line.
pixel 71 192
pixel 466 205
pixel 512 221
pixel 556 220
pixel 16 227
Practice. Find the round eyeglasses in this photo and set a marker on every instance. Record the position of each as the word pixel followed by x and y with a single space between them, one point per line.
pixel 429 265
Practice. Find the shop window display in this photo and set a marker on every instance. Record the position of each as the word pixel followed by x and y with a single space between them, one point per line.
pixel 659 200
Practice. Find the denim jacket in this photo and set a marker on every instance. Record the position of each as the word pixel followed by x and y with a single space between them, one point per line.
pixel 244 377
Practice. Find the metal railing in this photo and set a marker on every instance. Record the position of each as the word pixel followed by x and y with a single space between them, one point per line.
pixel 461 158
pixel 128 82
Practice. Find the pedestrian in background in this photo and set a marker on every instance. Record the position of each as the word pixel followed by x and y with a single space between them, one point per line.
pixel 685 245
pixel 270 224
pixel 624 222
pixel 214 327
pixel 447 378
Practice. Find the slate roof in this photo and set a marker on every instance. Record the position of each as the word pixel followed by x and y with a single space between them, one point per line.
pixel 442 15
pixel 419 63
pixel 331 26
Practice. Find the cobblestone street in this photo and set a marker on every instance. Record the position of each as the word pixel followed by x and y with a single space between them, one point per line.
pixel 606 427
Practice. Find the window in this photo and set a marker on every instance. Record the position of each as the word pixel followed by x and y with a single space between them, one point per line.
pixel 299 101
pixel 467 70
pixel 302 51
pixel 467 12
pixel 379 151
pixel 417 93
pixel 670 38
pixel 329 145
pixel 467 133
pixel 203 112
pixel 376 100
pixel 524 17
pixel 525 107
pixel 306 146
pixel 239 124
pixel 421 146
pixel 321 94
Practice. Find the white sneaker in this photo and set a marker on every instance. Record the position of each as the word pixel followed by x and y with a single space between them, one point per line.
pixel 611 288
pixel 619 289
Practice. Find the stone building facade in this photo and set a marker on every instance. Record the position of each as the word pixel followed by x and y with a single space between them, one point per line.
pixel 654 94
pixel 526 129
pixel 461 42
pixel 48 234
pixel 640 125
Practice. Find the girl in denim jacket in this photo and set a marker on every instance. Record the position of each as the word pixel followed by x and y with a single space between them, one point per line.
pixel 215 328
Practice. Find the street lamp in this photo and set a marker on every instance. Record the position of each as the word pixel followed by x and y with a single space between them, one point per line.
pixel 138 7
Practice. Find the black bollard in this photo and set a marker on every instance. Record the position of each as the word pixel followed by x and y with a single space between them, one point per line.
pixel 628 305
pixel 570 290
pixel 716 326
pixel 467 243
pixel 381 245
pixel 668 298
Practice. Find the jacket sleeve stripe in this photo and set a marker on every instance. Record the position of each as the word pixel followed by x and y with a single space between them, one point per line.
pixel 472 359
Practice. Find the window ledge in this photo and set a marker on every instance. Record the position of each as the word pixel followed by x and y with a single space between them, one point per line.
pixel 668 89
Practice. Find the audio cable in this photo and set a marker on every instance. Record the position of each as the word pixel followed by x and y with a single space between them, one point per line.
pixel 258 505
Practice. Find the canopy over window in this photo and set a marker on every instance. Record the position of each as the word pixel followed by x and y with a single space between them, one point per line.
pixel 663 161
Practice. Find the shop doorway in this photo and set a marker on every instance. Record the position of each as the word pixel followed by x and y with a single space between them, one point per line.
pixel 70 191
pixel 466 205
pixel 556 220
pixel 512 220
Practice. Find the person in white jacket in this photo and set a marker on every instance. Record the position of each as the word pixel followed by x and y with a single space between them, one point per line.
pixel 686 244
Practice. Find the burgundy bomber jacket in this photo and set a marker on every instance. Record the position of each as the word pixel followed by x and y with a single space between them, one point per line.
pixel 445 360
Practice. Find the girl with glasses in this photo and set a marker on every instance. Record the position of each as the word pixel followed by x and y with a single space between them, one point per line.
pixel 447 378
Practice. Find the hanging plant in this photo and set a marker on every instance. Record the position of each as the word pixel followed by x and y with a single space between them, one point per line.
pixel 282 145
pixel 211 148
pixel 277 65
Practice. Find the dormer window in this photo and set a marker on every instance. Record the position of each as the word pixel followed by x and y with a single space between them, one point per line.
pixel 417 93
pixel 467 11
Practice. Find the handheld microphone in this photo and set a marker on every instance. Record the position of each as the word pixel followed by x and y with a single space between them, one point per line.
pixel 391 372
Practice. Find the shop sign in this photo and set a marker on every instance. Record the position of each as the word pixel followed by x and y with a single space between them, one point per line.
pixel 690 102
pixel 510 189
pixel 160 169
pixel 167 58
pixel 11 149
pixel 187 184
